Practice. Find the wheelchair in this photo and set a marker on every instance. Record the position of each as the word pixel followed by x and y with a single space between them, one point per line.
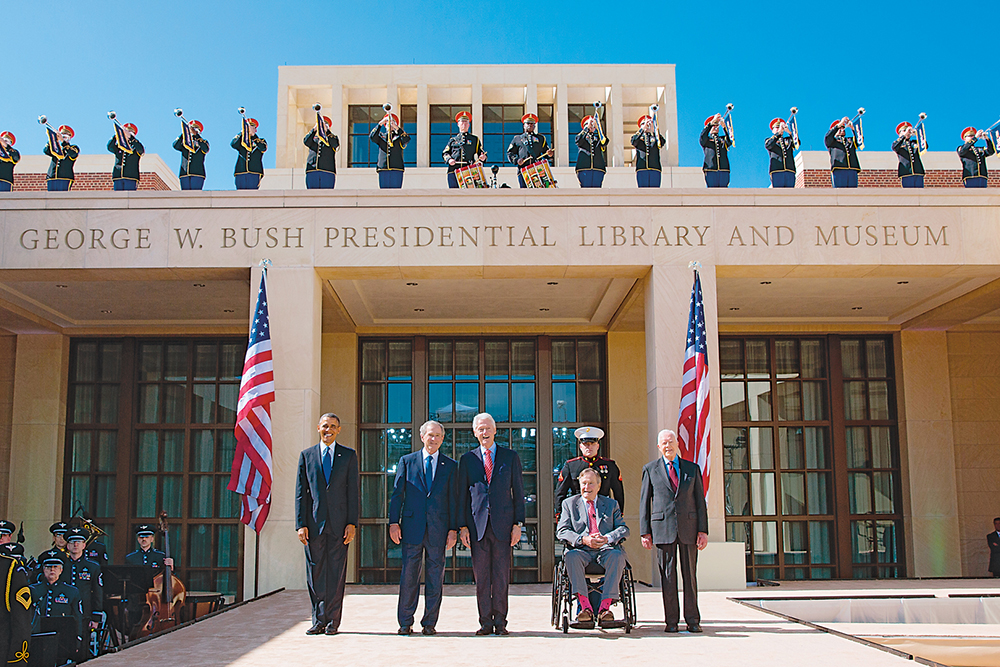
pixel 564 602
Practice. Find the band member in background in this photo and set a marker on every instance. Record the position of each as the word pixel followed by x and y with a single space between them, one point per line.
pixel 250 162
pixel 592 160
pixel 126 171
pixel 54 597
pixel 8 158
pixel 568 484
pixel 781 151
pixel 463 149
pixel 86 576
pixel 716 163
pixel 911 169
pixel 528 147
pixel 146 554
pixel 321 165
pixel 60 176
pixel 58 530
pixel 7 529
pixel 647 144
pixel 390 157
pixel 192 173
pixel 974 173
pixel 844 165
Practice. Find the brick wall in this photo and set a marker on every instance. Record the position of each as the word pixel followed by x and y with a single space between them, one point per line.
pixel 887 178
pixel 87 182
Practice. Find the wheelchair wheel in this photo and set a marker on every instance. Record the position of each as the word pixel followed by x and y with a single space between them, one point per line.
pixel 565 625
pixel 628 599
pixel 555 595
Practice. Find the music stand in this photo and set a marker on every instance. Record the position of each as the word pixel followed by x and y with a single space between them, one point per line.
pixel 131 583
pixel 44 651
pixel 66 629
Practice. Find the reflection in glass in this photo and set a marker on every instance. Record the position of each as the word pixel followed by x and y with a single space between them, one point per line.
pixel 878 399
pixel 855 401
pixel 859 492
pixel 107 451
pixel 227 549
pixel 882 454
pixel 173 404
pixel 229 396
pixel 229 502
pixel 175 369
pixel 372 411
pixel 814 401
pixel 850 358
pixel 791 447
pixel 83 404
pixel 734 449
pixel 563 360
pixel 737 493
pixel 590 402
pixel 400 360
pixel 400 403
pixel 371 540
pixel 564 401
pixel 145 496
pixel 399 443
pixel 205 361
pixel 232 361
pixel 466 360
pixel 466 404
pixel 202 487
pixel 857 447
pixel 172 494
pixel 203 403
pixel 758 359
pixel 526 551
pixel 759 401
pixel 821 541
pixel 496 361
pixel 563 449
pixel 793 493
pixel 761 449
pixel 875 351
pixel 863 541
pixel 522 363
pixel 884 493
pixel 149 404
pixel 530 496
pixel 150 362
pixel 734 404
pixel 105 487
pixel 762 493
pixel 86 362
pixel 372 451
pixel 372 497
pixel 765 542
pixel 80 461
pixel 227 450
pixel 439 401
pixel 522 441
pixel 79 491
pixel 787 356
pixel 819 497
pixel 109 404
pixel 730 358
pixel 148 459
pixel 173 451
pixel 589 353
pixel 373 360
pixel 888 543
pixel 795 543
pixel 497 401
pixel 813 358
pixel 200 537
pixel 816 448
pixel 202 451
pixel 523 401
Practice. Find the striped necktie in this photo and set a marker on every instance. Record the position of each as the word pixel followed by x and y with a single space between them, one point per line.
pixel 488 464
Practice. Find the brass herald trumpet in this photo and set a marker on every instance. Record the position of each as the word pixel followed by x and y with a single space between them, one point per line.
pixel 598 104
pixel 317 107
pixel 653 108
pixel 112 115
pixel 387 107
pixel 242 111
pixel 179 113
pixel 42 120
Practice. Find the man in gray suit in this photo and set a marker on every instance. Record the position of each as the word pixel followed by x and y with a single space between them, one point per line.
pixel 593 527
pixel 674 517
pixel 327 495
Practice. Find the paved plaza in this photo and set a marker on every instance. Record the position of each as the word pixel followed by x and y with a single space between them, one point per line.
pixel 272 631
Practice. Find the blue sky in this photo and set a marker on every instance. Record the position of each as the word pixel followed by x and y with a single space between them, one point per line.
pixel 145 59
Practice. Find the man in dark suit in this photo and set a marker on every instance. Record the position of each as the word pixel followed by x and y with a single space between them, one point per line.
pixel 993 539
pixel 425 498
pixel 492 503
pixel 327 495
pixel 674 517
pixel 593 528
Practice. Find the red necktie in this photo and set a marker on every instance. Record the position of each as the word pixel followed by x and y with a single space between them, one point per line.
pixel 592 517
pixel 672 474
pixel 488 464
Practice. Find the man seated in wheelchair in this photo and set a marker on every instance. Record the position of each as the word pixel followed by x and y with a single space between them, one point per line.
pixel 593 529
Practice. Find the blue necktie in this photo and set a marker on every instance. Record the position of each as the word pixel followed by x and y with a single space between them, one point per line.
pixel 428 473
pixel 327 464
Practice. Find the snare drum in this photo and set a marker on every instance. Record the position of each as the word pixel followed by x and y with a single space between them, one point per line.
pixel 471 176
pixel 538 175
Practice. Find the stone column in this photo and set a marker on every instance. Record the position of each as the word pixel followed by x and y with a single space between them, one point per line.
pixel 927 450
pixel 295 309
pixel 477 111
pixel 423 127
pixel 560 126
pixel 38 435
pixel 616 127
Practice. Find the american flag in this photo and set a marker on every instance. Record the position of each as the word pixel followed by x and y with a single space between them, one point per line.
pixel 55 144
pixel 251 476
pixel 694 421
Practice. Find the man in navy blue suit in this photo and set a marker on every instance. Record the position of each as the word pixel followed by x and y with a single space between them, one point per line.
pixel 425 499
pixel 489 479
pixel 327 495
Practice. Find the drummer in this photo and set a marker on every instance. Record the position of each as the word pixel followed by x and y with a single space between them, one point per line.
pixel 463 149
pixel 589 438
pixel 528 147
pixel 592 160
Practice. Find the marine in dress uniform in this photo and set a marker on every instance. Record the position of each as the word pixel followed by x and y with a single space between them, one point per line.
pixel 463 149
pixel 126 171
pixel 192 173
pixel 844 165
pixel 911 169
pixel 53 597
pixel 592 160
pixel 249 168
pixel 15 613
pixel 85 575
pixel 647 146
pixel 589 438
pixel 8 158
pixel 321 164
pixel 390 158
pixel 527 147
pixel 146 555
pixel 716 162
pixel 7 529
pixel 60 177
pixel 974 173
pixel 781 151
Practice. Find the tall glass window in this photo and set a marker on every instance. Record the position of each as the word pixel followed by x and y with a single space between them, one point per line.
pixel 783 472
pixel 167 444
pixel 501 123
pixel 443 127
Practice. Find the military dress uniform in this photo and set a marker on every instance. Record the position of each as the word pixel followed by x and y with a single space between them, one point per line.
pixel 781 154
pixel 647 157
pixel 390 158
pixel 249 168
pixel 527 146
pixel 125 174
pixel 974 173
pixel 86 576
pixel 911 168
pixel 97 552
pixel 58 599
pixel 716 162
pixel 321 165
pixel 15 613
pixel 569 479
pixel 192 171
pixel 463 148
pixel 60 177
pixel 8 158
pixel 844 165
pixel 592 159
pixel 151 558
